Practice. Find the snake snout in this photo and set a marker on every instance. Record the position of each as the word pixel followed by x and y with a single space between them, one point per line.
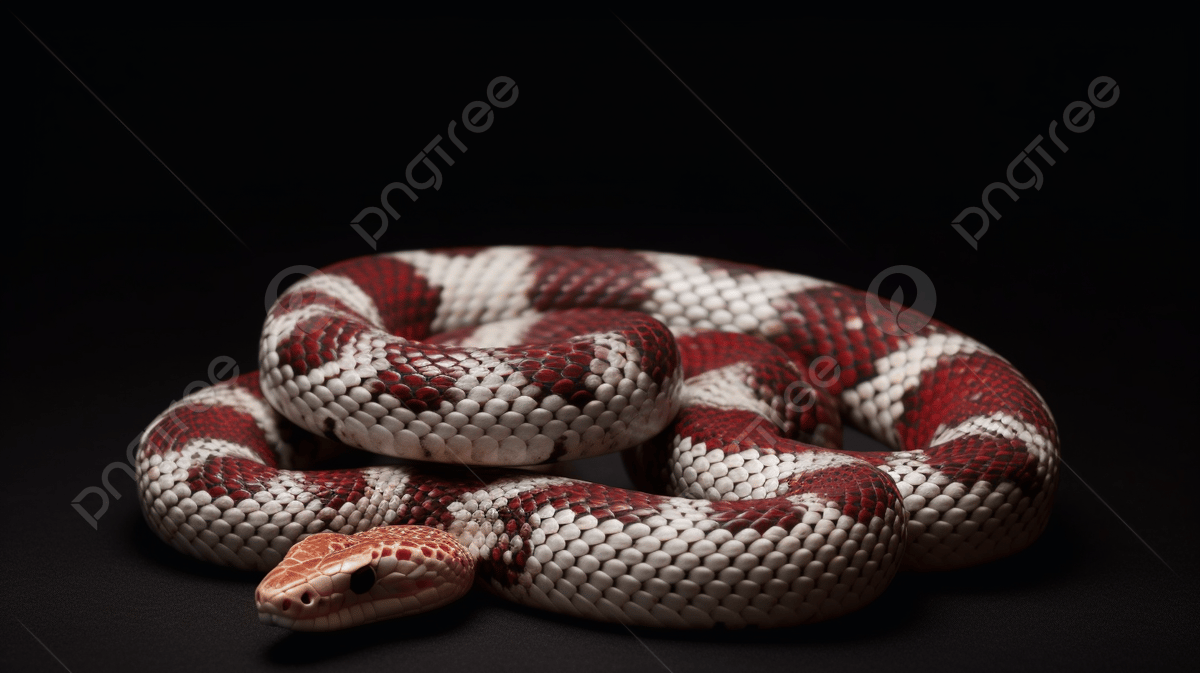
pixel 286 607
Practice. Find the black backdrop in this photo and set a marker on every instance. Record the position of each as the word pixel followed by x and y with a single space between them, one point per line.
pixel 124 288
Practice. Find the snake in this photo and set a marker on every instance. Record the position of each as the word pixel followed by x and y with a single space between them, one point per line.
pixel 727 386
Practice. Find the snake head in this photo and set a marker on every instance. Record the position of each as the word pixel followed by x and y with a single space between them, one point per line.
pixel 331 581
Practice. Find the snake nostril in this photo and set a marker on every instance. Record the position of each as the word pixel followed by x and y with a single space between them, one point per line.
pixel 287 604
pixel 305 598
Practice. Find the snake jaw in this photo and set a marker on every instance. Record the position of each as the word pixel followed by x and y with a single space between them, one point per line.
pixel 331 581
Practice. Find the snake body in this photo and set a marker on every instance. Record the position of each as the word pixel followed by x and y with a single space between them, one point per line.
pixel 768 524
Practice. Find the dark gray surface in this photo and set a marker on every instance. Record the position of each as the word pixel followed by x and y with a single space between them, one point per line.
pixel 123 289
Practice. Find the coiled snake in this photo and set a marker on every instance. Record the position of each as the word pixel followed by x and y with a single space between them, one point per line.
pixel 752 369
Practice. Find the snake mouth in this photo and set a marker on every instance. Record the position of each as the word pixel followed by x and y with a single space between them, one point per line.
pixel 321 623
pixel 271 619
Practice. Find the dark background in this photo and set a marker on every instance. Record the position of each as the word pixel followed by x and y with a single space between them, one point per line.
pixel 123 288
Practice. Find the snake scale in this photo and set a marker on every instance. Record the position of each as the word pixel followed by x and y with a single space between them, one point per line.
pixel 732 381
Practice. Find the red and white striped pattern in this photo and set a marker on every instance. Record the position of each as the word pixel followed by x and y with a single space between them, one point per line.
pixel 770 524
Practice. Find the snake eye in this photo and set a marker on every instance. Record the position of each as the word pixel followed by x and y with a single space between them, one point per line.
pixel 362 580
